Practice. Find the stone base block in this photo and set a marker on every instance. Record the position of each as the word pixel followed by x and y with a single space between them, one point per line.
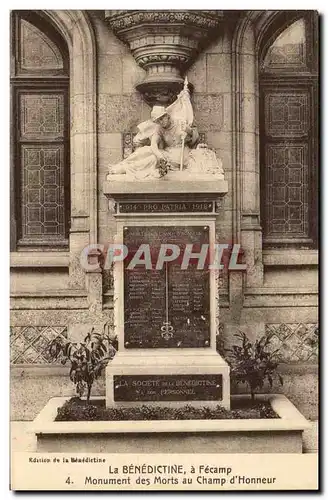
pixel 166 379
pixel 184 442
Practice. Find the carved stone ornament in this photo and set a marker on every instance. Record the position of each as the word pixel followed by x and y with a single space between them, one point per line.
pixel 163 43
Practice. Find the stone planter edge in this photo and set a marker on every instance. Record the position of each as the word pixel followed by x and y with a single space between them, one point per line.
pixel 290 420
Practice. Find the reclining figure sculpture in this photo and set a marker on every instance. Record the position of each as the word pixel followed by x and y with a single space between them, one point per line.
pixel 168 142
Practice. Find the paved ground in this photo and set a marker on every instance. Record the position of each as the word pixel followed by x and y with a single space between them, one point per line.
pixel 23 440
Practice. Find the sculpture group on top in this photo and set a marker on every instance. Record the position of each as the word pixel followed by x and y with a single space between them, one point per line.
pixel 168 145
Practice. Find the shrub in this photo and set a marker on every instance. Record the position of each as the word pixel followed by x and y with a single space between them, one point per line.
pixel 253 363
pixel 88 358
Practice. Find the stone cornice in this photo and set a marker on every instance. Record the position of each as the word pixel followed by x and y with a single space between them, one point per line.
pixel 123 19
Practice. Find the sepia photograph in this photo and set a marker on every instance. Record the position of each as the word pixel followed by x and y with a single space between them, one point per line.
pixel 164 205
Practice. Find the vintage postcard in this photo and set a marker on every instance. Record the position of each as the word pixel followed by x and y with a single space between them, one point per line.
pixel 164 249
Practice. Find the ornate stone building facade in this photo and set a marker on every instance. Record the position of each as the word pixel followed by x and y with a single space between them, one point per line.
pixel 81 82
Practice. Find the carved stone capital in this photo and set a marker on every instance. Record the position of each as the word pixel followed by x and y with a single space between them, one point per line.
pixel 164 43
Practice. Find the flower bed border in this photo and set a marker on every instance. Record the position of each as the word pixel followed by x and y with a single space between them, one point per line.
pixel 282 434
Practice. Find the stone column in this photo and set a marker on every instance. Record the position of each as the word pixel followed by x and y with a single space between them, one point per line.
pixel 247 157
pixel 83 142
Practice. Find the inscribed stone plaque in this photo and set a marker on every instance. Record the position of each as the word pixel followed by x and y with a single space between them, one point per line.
pixel 173 207
pixel 167 307
pixel 168 387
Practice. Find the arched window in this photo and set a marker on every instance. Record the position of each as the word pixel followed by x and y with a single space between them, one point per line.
pixel 40 134
pixel 289 132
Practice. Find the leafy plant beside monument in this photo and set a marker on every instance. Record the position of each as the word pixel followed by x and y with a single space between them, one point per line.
pixel 253 363
pixel 88 359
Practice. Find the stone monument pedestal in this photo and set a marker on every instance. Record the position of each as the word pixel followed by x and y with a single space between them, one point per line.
pixel 166 314
pixel 168 379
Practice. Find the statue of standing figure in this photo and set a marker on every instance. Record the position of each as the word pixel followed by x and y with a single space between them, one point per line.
pixel 166 143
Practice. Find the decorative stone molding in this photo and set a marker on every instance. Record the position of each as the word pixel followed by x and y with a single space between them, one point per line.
pixel 164 43
pixel 219 205
pixel 298 342
pixel 29 344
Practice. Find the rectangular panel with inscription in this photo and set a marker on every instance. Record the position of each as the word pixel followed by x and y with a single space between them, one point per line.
pixel 168 207
pixel 168 387
pixel 169 306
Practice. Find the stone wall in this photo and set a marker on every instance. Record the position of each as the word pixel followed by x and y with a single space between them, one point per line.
pixel 119 109
pixel 211 75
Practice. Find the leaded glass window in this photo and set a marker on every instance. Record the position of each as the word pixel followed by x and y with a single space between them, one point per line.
pixel 289 136
pixel 36 50
pixel 289 48
pixel 40 179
